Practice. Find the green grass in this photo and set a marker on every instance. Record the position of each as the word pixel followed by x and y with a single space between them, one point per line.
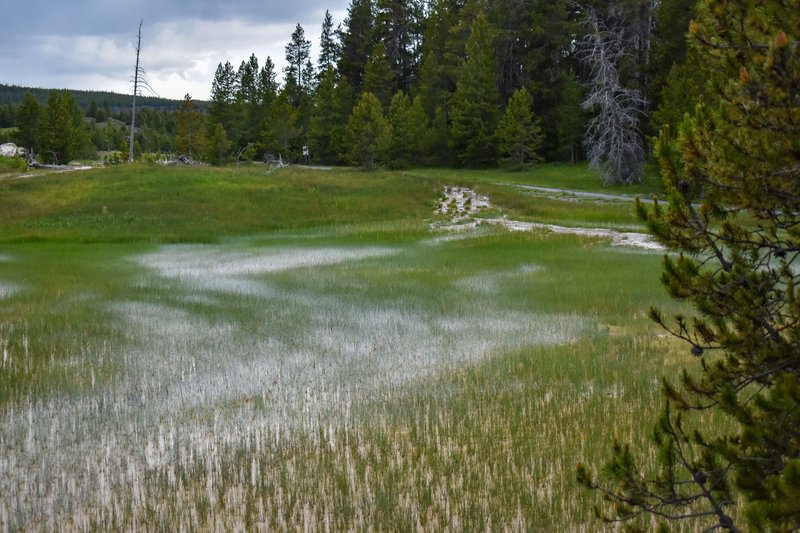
pixel 156 204
pixel 222 350
pixel 576 177
pixel 566 210
pixel 12 166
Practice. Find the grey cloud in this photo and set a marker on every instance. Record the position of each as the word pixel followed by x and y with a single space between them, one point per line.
pixel 88 44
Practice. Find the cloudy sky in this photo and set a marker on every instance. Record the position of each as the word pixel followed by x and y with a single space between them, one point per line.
pixel 90 44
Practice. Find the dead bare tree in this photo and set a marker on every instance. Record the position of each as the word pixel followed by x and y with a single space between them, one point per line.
pixel 139 81
pixel 613 142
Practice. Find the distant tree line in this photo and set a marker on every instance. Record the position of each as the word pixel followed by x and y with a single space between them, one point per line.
pixel 12 95
pixel 59 130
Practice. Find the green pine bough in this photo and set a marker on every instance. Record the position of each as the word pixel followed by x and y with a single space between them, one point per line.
pixel 728 438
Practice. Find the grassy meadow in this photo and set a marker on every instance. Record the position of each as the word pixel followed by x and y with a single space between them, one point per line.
pixel 194 349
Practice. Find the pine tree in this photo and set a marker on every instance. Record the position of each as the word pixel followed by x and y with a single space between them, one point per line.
pixel 436 145
pixel 367 132
pixel 407 131
pixel 570 123
pixel 247 87
pixel 519 135
pixel 344 102
pixel 190 134
pixel 669 49
pixel 437 77
pixel 378 77
pixel 217 144
pixel 475 111
pixel 328 47
pixel 62 134
pixel 356 41
pixel 730 430
pixel 686 84
pixel 398 25
pixel 546 64
pixel 82 147
pixel 247 101
pixel 91 111
pixel 281 131
pixel 327 121
pixel 267 88
pixel 514 39
pixel 223 96
pixel 28 119
pixel 298 52
pixel 8 116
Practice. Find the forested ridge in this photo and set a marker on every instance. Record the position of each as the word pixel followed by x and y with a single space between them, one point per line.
pixel 450 82
pixel 14 95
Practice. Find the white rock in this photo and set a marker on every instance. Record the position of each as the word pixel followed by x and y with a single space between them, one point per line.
pixel 8 150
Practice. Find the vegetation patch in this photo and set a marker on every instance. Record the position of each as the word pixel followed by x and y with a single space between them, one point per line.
pixel 321 358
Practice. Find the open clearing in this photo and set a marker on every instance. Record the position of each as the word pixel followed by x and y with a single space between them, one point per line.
pixel 357 373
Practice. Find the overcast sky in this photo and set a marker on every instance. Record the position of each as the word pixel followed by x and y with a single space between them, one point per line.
pixel 90 44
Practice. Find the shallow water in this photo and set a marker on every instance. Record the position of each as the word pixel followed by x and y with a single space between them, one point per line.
pixel 218 352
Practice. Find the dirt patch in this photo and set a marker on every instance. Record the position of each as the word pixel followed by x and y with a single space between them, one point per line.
pixel 461 203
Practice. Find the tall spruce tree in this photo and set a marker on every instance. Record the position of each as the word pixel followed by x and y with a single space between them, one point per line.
pixel 328 47
pixel 407 131
pixel 548 67
pixel 378 76
pixel 398 25
pixel 247 101
pixel 217 144
pixel 326 121
pixel 267 88
pixel 437 77
pixel 437 80
pixel 190 138
pixel 247 88
pixel 668 47
pixel 516 32
pixel 28 120
pixel 733 182
pixel 570 120
pixel 519 135
pixel 223 96
pixel 62 133
pixel 686 84
pixel 297 75
pixel 281 130
pixel 356 40
pixel 475 108
pixel 367 133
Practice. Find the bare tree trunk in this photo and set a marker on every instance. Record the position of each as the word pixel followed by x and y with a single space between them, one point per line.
pixel 136 72
pixel 613 141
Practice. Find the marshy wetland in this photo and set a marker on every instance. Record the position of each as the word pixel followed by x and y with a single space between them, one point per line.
pixel 216 349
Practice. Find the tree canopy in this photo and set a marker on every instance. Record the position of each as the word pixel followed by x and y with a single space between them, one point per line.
pixel 424 49
pixel 732 174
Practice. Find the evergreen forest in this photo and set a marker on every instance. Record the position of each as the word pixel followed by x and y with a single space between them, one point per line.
pixel 400 83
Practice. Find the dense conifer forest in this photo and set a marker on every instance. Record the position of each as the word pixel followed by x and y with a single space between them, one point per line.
pixel 474 83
